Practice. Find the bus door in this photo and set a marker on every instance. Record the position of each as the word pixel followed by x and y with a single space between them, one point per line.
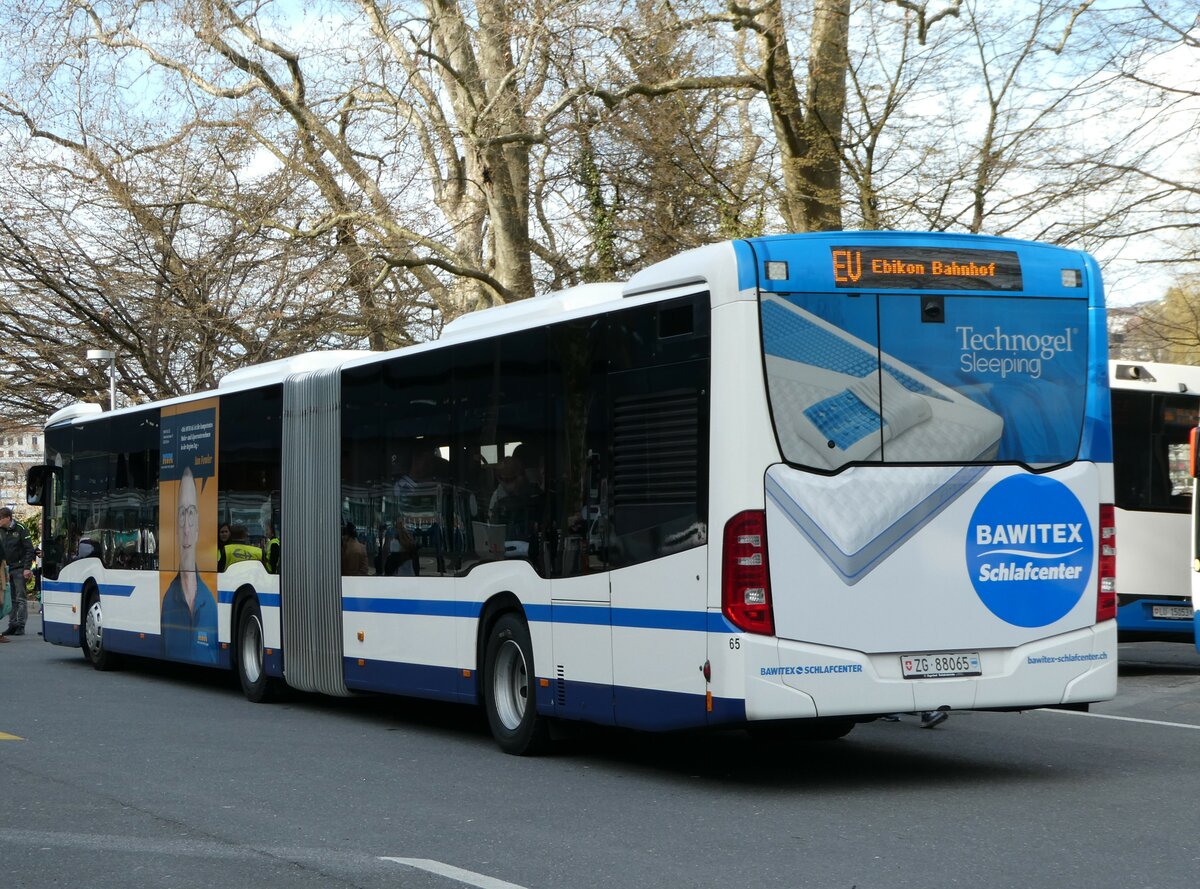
pixel 658 561
pixel 577 473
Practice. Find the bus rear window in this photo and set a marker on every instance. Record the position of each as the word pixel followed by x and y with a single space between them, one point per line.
pixel 906 378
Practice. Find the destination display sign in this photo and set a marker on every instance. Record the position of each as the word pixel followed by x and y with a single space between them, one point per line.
pixel 925 268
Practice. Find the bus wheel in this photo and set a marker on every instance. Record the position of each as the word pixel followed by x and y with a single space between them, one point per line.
pixel 508 689
pixel 92 637
pixel 257 686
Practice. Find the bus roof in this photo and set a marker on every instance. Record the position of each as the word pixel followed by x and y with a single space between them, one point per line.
pixel 732 270
pixel 1154 376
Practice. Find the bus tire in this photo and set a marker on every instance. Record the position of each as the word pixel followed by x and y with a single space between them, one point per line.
pixel 91 634
pixel 508 689
pixel 257 686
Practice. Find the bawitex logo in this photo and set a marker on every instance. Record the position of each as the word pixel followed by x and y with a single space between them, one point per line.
pixel 1029 550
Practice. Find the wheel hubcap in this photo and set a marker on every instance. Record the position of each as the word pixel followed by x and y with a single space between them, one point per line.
pixel 252 650
pixel 94 629
pixel 510 685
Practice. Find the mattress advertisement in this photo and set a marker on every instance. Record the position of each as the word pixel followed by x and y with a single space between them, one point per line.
pixel 951 384
pixel 925 378
pixel 187 534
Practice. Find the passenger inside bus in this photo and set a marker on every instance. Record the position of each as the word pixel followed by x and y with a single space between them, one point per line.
pixel 238 549
pixel 354 555
pixel 517 504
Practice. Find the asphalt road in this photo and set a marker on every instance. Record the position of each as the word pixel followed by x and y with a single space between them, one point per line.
pixel 156 776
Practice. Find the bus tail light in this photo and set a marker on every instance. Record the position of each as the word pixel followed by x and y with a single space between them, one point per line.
pixel 745 575
pixel 1106 595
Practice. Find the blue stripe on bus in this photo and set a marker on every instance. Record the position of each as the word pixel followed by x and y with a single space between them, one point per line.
pixel 590 701
pixel 106 589
pixel 597 615
pixel 266 600
pixel 273 662
pixel 426 607
pixel 439 683
pixel 128 642
pixel 62 586
pixel 150 645
pixel 224 597
pixel 654 710
pixel 641 708
pixel 637 618
pixel 60 634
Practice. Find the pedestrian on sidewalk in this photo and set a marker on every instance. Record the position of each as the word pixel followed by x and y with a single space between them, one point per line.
pixel 5 597
pixel 17 550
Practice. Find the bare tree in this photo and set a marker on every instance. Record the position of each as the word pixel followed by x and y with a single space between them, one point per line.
pixel 104 246
pixel 212 182
pixel 1166 329
pixel 664 171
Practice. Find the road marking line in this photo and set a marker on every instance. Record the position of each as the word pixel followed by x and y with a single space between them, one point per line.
pixel 1121 718
pixel 5 736
pixel 454 873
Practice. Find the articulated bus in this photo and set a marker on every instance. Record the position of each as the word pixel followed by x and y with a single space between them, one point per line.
pixel 786 483
pixel 1154 408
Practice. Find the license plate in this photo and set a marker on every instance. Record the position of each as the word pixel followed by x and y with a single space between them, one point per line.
pixel 938 666
pixel 1172 612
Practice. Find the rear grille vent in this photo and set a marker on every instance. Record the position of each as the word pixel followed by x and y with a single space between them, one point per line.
pixel 561 687
pixel 655 449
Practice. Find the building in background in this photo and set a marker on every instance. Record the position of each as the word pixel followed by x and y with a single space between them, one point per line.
pixel 20 448
pixel 1133 335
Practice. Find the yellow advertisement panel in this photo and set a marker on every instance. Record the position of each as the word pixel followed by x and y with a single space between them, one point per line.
pixel 187 532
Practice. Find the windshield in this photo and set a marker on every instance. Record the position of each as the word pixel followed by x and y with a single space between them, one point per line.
pixel 912 378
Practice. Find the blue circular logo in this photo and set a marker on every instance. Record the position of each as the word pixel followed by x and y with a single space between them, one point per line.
pixel 1029 550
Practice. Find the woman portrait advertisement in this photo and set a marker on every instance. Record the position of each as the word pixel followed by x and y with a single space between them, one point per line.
pixel 188 548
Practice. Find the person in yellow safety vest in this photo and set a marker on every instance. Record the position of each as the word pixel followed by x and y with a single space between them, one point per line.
pixel 271 554
pixel 239 548
pixel 222 539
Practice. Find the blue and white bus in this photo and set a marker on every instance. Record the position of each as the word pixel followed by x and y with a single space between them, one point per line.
pixel 1154 408
pixel 788 482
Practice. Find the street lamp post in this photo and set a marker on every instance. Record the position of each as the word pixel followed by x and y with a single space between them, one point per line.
pixel 111 357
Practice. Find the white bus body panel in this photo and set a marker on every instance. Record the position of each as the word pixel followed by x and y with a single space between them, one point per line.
pixel 890 608
pixel 1152 552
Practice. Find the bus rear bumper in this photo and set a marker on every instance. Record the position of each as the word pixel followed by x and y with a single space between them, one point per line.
pixel 1136 619
pixel 810 680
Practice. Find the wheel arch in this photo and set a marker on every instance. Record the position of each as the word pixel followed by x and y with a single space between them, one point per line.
pixel 498 604
pixel 244 594
pixel 90 587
